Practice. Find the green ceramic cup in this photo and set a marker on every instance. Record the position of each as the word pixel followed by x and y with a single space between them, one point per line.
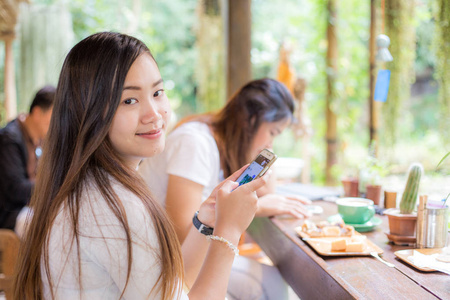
pixel 354 210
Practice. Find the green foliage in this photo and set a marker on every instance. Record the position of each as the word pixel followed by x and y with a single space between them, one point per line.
pixel 168 28
pixel 440 162
pixel 442 50
pixel 290 24
pixel 425 58
pixel 400 29
pixel 46 36
pixel 305 30
pixel 168 31
pixel 211 51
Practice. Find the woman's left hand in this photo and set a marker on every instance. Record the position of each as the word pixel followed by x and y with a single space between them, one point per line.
pixel 273 204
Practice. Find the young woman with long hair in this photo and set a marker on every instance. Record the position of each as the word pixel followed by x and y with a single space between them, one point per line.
pixel 203 149
pixel 97 232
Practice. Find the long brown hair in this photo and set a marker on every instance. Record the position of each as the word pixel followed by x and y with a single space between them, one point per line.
pixel 78 149
pixel 236 124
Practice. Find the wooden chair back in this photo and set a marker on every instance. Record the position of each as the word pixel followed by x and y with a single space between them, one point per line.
pixel 9 251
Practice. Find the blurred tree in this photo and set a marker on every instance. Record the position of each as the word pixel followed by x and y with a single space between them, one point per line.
pixel 332 75
pixel 45 37
pixel 210 70
pixel 400 29
pixel 442 49
pixel 169 28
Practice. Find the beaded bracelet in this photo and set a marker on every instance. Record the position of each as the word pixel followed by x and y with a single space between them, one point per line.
pixel 223 240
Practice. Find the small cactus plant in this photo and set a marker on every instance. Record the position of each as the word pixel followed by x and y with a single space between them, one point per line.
pixel 409 198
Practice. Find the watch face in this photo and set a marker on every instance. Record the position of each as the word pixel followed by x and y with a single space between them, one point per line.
pixel 206 230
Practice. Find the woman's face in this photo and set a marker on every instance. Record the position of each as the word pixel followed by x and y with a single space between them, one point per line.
pixel 265 135
pixel 139 125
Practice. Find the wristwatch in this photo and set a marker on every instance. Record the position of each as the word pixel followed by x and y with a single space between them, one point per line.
pixel 202 228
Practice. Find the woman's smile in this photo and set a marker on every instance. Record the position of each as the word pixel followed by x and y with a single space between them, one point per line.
pixel 152 134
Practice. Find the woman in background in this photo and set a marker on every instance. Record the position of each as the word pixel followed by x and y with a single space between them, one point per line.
pixel 204 149
pixel 97 233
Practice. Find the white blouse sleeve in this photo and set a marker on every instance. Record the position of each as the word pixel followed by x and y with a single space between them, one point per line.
pixel 189 156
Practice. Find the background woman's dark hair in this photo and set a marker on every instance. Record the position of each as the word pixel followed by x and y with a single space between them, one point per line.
pixel 78 149
pixel 235 126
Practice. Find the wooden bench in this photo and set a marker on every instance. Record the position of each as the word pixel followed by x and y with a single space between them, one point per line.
pixel 9 250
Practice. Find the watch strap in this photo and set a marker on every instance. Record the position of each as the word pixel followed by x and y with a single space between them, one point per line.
pixel 202 228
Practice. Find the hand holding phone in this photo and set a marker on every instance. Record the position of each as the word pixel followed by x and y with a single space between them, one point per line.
pixel 258 167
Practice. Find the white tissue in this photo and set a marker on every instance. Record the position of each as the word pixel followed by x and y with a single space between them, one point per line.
pixel 429 261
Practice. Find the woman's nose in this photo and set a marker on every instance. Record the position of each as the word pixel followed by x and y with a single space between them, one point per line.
pixel 151 112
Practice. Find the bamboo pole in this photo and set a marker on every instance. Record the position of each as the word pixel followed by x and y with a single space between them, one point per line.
pixel 9 79
pixel 332 55
pixel 373 105
pixel 239 70
pixel 211 56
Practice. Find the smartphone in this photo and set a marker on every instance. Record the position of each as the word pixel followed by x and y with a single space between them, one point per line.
pixel 258 167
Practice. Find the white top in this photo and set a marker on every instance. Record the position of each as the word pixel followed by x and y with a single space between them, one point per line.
pixel 190 152
pixel 103 251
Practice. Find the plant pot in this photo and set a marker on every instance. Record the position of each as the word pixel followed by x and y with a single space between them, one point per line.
pixel 401 224
pixel 390 199
pixel 373 192
pixel 350 187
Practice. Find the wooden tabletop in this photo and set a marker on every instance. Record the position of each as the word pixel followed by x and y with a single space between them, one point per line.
pixel 313 276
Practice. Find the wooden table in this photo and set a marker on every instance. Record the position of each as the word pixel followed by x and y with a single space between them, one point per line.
pixel 319 277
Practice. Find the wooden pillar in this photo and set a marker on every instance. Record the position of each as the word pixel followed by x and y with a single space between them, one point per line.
pixel 9 78
pixel 332 56
pixel 239 70
pixel 373 105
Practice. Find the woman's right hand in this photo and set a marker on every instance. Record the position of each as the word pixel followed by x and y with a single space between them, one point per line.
pixel 230 210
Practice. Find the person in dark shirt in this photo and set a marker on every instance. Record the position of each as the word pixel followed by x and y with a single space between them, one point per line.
pixel 20 149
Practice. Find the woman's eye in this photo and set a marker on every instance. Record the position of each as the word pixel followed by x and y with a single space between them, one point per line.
pixel 130 101
pixel 158 93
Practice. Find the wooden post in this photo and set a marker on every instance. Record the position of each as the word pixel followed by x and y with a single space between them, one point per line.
pixel 373 105
pixel 9 78
pixel 332 56
pixel 239 70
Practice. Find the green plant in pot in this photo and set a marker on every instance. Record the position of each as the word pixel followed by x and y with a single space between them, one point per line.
pixel 370 174
pixel 402 220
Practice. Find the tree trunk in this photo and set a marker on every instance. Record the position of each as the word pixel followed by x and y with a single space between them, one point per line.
pixel 46 37
pixel 332 55
pixel 373 107
pixel 442 50
pixel 10 83
pixel 400 29
pixel 210 71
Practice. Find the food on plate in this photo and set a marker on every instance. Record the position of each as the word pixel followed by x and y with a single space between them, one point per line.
pixel 338 245
pixel 354 247
pixel 311 229
pixel 347 245
pixel 326 229
pixel 347 230
pixel 331 231
pixel 335 237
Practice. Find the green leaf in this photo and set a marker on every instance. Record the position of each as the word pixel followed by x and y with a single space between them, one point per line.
pixel 445 156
